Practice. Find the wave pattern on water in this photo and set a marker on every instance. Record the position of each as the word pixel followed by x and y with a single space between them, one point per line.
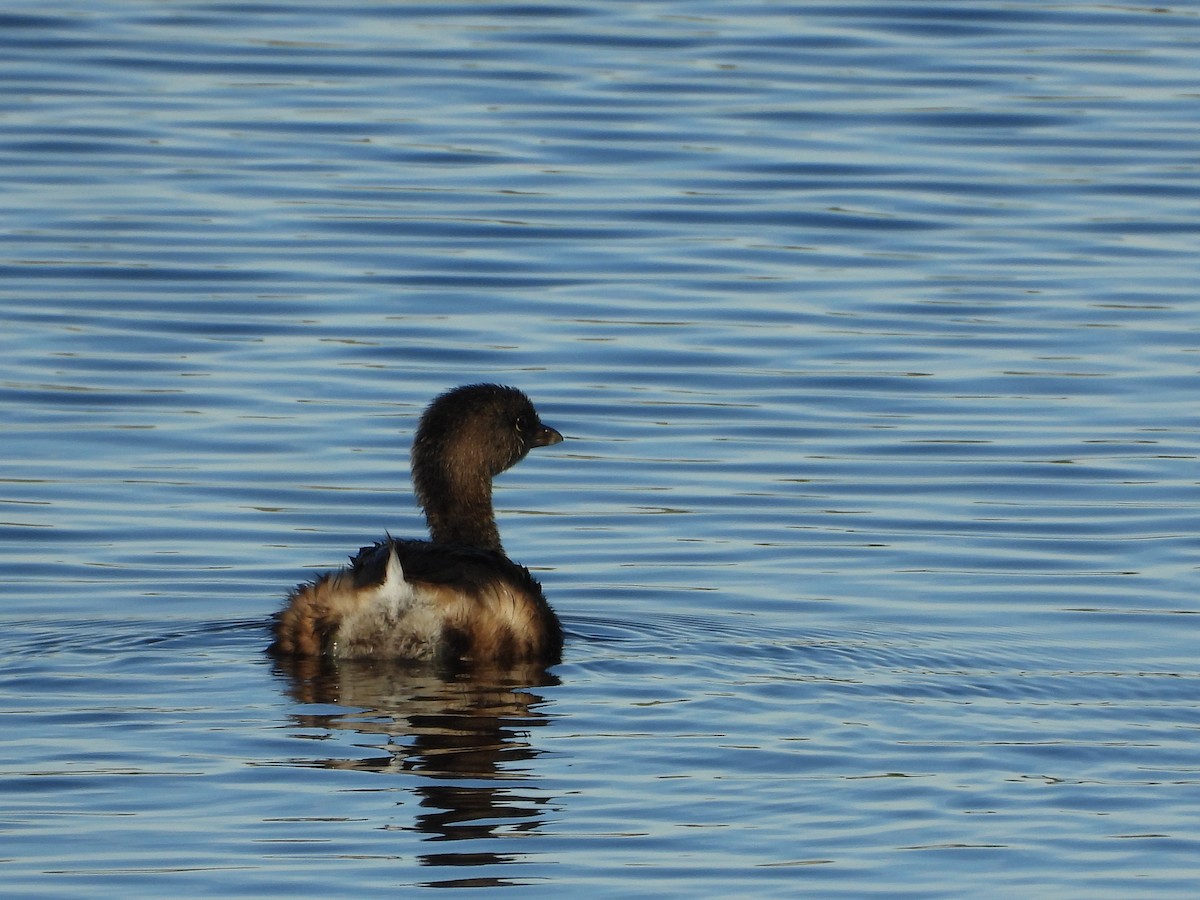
pixel 870 327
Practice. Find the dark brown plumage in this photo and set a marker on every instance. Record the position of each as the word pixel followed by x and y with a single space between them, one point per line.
pixel 457 596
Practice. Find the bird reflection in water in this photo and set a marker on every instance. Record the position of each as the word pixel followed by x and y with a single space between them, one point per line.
pixel 464 732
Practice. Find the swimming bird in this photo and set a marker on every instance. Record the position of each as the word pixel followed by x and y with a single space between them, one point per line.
pixel 456 596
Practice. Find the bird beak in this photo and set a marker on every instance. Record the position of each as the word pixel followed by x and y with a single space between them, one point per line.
pixel 545 436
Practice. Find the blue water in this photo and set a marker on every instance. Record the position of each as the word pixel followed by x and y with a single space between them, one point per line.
pixel 874 334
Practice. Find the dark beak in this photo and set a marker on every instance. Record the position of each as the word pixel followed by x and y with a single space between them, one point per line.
pixel 545 436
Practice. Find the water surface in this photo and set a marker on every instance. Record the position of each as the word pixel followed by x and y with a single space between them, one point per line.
pixel 872 329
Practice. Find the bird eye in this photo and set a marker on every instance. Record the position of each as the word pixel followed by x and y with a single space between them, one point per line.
pixel 523 424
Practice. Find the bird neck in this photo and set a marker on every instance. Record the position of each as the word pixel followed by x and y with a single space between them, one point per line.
pixel 459 510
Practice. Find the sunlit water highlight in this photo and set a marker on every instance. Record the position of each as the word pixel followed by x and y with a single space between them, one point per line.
pixel 873 332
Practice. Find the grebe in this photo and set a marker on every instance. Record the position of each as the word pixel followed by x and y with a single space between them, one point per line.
pixel 457 596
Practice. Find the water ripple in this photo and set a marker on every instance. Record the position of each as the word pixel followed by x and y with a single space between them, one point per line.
pixel 871 331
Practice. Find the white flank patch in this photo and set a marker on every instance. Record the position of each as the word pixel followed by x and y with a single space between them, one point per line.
pixel 394 619
pixel 395 594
